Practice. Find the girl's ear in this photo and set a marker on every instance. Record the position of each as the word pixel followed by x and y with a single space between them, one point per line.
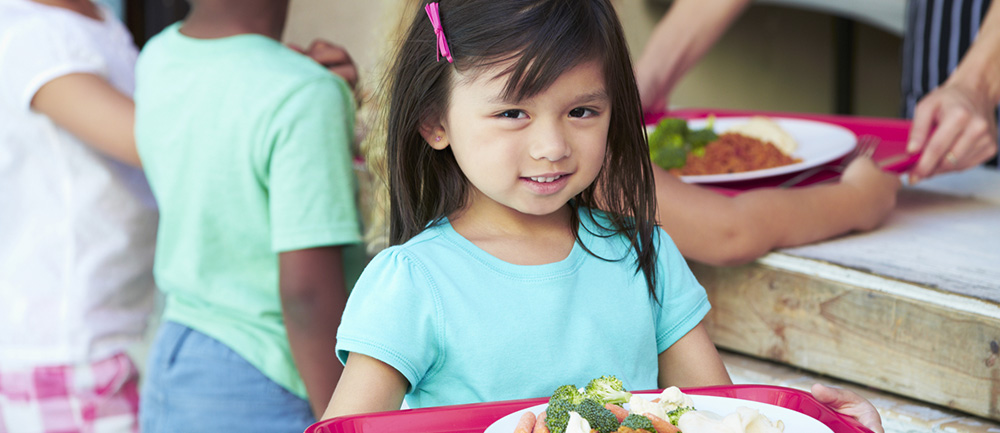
pixel 434 135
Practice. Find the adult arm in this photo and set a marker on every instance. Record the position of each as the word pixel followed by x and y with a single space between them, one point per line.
pixel 367 385
pixel 679 40
pixel 712 228
pixel 94 111
pixel 313 296
pixel 954 125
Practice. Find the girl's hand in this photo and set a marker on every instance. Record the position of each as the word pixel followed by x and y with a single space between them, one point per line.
pixel 875 188
pixel 849 403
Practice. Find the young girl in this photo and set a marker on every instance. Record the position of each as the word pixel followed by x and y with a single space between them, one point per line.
pixel 509 124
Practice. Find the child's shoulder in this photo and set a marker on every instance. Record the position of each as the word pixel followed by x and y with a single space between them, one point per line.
pixel 245 55
pixel 427 241
pixel 25 19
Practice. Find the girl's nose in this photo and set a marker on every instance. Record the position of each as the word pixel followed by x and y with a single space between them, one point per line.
pixel 549 143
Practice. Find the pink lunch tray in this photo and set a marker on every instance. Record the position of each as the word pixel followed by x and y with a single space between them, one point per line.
pixel 475 418
pixel 892 132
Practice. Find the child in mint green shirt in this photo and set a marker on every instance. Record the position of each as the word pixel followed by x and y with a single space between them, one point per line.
pixel 246 144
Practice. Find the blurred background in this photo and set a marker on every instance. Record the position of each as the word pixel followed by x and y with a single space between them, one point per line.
pixel 816 56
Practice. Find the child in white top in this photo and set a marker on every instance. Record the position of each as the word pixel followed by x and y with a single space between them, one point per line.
pixel 508 124
pixel 77 227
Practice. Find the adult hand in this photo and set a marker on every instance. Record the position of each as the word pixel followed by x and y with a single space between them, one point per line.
pixel 333 57
pixel 955 128
pixel 849 403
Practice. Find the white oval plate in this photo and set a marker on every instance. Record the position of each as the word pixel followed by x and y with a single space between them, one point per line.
pixel 819 143
pixel 795 422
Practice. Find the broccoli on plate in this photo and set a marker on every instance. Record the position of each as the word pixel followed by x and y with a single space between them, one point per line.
pixel 607 389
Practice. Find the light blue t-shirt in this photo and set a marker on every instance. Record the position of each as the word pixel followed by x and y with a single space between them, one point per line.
pixel 463 326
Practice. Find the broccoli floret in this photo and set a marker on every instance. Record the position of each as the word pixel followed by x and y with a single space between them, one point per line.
pixel 567 393
pixel 675 414
pixel 607 389
pixel 672 140
pixel 636 422
pixel 701 137
pixel 599 417
pixel 670 153
pixel 557 415
pixel 667 147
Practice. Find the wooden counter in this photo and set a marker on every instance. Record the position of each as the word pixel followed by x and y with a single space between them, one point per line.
pixel 912 308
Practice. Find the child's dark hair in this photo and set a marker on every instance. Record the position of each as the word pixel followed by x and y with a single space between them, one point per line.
pixel 539 40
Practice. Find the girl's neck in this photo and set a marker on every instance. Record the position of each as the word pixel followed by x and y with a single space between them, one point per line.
pixel 515 237
pixel 82 7
pixel 210 19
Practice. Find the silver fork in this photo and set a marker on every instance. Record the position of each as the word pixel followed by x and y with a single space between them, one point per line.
pixel 866 148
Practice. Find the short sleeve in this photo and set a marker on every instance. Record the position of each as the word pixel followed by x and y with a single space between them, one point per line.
pixel 311 185
pixel 683 301
pixel 34 52
pixel 392 315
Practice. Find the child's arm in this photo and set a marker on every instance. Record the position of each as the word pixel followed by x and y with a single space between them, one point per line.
pixel 692 361
pixel 367 385
pixel 334 58
pixel 720 230
pixel 90 108
pixel 312 300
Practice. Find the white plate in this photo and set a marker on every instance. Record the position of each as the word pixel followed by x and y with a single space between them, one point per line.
pixel 819 143
pixel 795 422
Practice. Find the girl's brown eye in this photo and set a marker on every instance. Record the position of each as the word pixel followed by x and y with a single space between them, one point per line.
pixel 512 114
pixel 580 112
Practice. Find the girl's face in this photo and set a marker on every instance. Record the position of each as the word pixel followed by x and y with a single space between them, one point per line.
pixel 533 155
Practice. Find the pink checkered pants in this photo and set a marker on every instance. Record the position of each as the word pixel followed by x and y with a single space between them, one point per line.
pixel 92 398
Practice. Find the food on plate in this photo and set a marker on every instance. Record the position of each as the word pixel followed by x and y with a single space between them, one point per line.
pixel 734 153
pixel 526 424
pixel 672 141
pixel 766 130
pixel 744 420
pixel 757 144
pixel 598 408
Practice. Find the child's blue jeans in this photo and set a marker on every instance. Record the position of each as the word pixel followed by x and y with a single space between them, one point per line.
pixel 195 384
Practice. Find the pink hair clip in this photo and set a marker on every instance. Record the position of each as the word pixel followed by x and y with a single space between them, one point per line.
pixel 442 42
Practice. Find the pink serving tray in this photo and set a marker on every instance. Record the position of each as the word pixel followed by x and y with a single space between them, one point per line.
pixel 892 132
pixel 475 418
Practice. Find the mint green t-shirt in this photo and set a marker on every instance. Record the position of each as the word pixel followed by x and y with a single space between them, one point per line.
pixel 246 145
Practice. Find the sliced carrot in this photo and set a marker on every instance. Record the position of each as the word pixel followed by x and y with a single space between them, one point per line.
pixel 526 423
pixel 540 426
pixel 661 425
pixel 620 412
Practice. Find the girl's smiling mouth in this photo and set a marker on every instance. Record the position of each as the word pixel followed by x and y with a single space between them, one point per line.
pixel 548 183
pixel 546 179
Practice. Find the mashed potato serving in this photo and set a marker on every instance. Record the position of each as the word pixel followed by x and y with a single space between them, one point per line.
pixel 766 130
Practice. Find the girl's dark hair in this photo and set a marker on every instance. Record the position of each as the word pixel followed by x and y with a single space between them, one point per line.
pixel 540 40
